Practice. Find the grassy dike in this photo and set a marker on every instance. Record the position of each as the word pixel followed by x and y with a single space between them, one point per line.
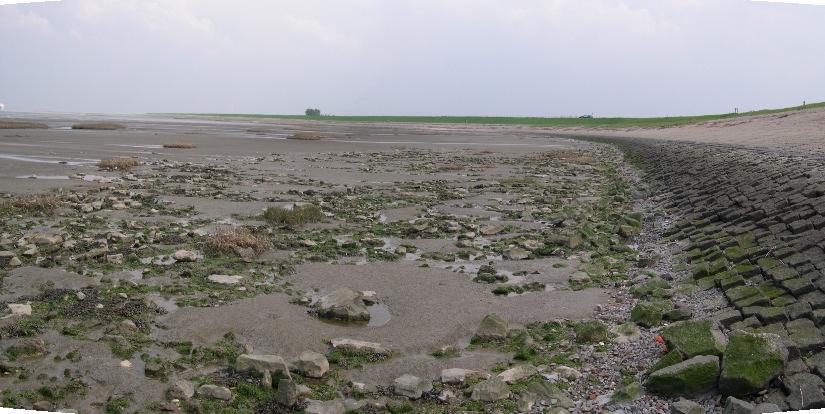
pixel 564 122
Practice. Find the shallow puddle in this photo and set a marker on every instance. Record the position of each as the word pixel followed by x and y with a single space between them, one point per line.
pixel 379 315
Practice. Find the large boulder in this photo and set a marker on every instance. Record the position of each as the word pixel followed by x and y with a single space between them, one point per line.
pixel 691 377
pixel 750 362
pixel 261 363
pixel 491 327
pixel 493 389
pixel 343 304
pixel 411 386
pixel 693 338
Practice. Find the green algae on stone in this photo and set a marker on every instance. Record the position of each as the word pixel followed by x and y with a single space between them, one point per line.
pixel 691 377
pixel 750 362
pixel 694 338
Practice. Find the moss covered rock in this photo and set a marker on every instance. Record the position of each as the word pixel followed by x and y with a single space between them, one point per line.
pixel 691 377
pixel 694 338
pixel 750 362
pixel 649 313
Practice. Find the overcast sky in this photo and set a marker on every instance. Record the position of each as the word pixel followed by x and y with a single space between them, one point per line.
pixel 421 57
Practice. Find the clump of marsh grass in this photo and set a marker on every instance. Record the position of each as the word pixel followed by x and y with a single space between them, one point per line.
pixel 182 145
pixel 235 239
pixel 34 204
pixel 5 124
pixel 297 215
pixel 99 126
pixel 307 136
pixel 118 164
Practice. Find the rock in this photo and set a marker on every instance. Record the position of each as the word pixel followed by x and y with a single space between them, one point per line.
pixel 492 327
pixel 570 374
pixel 185 256
pixel 115 259
pixel 411 386
pixel 355 345
pixel 491 229
pixel 153 369
pixel 765 408
pixel 260 363
pixel 20 309
pixel 225 279
pixel 215 391
pixel 44 239
pixel 458 375
pixel 693 338
pixel 344 304
pixel 693 376
pixel 312 364
pixel 287 393
pixel 493 389
pixel 684 406
pixel 804 391
pixel 579 279
pixel 629 392
pixel 736 406
pixel 7 259
pixel 750 362
pixel 647 314
pixel 182 389
pixel 447 397
pixel 518 373
pixel 80 295
pixel 325 407
pixel 516 253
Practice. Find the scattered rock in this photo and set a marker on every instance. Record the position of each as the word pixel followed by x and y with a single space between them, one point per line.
pixel 737 406
pixel 185 256
pixel 492 327
pixel 684 406
pixel 358 346
pixel 260 363
pixel 325 407
pixel 182 389
pixel 225 279
pixel 312 364
pixel 693 376
pixel 518 373
pixel 20 309
pixel 493 389
pixel 411 386
pixel 344 304
pixel 287 393
pixel 458 375
pixel 215 391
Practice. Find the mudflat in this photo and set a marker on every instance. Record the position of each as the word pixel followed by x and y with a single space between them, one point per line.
pixel 154 259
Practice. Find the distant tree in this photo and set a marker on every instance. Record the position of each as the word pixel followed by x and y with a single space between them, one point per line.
pixel 312 112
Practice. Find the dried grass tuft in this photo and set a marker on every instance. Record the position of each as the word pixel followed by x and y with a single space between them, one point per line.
pixel 118 164
pixel 230 240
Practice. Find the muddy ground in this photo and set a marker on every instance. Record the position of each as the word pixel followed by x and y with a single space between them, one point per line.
pixel 409 215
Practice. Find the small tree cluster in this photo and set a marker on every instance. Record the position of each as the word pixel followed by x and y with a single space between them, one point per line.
pixel 312 112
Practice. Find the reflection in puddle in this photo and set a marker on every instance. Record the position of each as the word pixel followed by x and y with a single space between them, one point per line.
pixel 45 177
pixel 379 315
pixel 49 160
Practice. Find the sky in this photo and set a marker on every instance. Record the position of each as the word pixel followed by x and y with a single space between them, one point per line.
pixel 417 57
